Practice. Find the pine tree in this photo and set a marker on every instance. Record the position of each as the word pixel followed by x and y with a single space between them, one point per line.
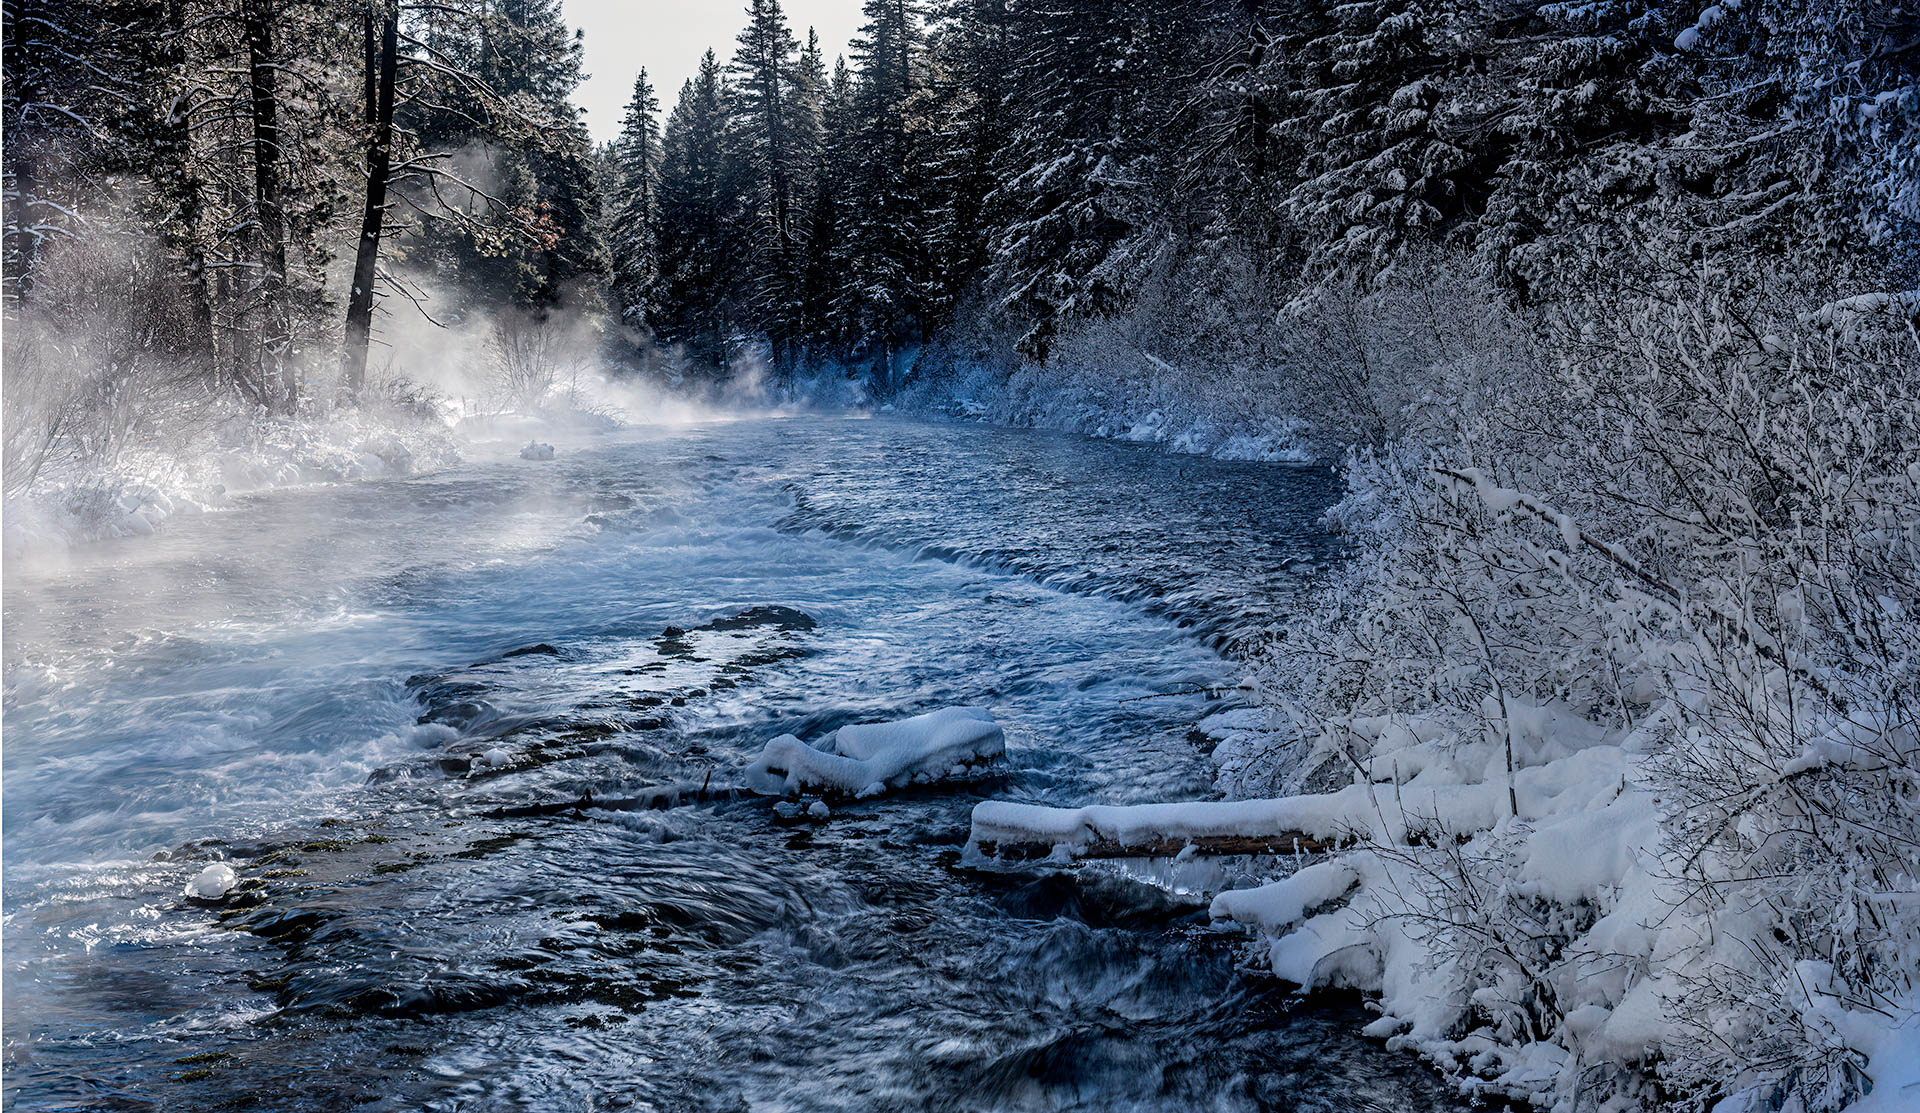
pixel 970 124
pixel 812 90
pixel 824 271
pixel 1070 175
pixel 882 225
pixel 634 175
pixel 499 81
pixel 775 148
pixel 699 203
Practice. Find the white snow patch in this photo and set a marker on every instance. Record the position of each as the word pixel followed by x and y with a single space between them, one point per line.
pixel 869 759
pixel 213 882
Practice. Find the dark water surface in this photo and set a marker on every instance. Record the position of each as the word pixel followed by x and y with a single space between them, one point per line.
pixel 298 687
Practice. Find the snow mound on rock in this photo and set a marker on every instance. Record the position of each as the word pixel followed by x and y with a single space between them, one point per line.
pixel 870 758
pixel 213 882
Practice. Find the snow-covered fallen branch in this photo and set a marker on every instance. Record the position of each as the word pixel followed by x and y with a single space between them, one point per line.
pixel 1380 813
pixel 1009 830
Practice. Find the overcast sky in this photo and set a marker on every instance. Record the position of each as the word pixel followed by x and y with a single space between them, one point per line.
pixel 667 37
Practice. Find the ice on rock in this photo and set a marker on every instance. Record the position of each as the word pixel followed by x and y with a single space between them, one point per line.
pixel 535 450
pixel 492 759
pixel 213 882
pixel 870 758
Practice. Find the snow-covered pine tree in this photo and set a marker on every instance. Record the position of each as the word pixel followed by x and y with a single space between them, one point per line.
pixel 1073 172
pixel 699 230
pixel 968 124
pixel 823 269
pixel 1381 167
pixel 882 224
pixel 810 90
pixel 531 55
pixel 1809 115
pixel 496 80
pixel 772 121
pixel 633 177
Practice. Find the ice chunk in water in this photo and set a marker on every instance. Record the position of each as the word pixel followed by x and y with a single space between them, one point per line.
pixel 870 758
pixel 536 451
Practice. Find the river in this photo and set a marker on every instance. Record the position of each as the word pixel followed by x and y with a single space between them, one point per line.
pixel 296 686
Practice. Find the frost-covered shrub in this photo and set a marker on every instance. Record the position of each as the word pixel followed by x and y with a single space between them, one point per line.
pixel 1658 596
pixel 94 366
pixel 1400 362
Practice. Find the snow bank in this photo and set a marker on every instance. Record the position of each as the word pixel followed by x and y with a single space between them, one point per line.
pixel 1464 899
pixel 1668 780
pixel 868 759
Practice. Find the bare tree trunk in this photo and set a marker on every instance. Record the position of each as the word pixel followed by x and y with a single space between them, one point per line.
pixel 276 339
pixel 381 70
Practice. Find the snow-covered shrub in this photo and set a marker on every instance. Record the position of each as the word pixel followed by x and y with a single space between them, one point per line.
pixel 1400 362
pixel 93 367
pixel 1659 596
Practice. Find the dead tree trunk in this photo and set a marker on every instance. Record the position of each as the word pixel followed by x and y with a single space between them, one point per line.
pixel 276 339
pixel 382 66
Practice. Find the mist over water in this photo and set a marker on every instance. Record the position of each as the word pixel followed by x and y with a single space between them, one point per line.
pixel 300 686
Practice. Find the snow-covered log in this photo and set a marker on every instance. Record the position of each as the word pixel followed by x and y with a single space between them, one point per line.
pixel 1008 830
pixel 1385 814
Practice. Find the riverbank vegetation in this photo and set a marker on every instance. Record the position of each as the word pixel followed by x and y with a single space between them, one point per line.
pixel 1608 308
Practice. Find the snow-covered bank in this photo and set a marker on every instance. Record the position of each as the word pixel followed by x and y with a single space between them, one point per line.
pixel 1664 590
pixel 1609 724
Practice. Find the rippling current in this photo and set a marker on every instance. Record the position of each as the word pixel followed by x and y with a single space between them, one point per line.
pixel 299 687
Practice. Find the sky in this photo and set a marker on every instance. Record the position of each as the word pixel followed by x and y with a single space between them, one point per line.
pixel 668 37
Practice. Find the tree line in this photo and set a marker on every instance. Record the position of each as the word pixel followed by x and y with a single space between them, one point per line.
pixel 987 168
pixel 261 181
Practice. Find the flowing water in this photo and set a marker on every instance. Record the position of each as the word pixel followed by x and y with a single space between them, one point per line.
pixel 299 686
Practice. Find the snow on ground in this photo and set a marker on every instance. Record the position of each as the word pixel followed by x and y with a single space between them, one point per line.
pixel 1529 933
pixel 869 759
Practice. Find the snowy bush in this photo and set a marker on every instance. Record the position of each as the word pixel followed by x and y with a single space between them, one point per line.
pixel 95 371
pixel 1660 595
